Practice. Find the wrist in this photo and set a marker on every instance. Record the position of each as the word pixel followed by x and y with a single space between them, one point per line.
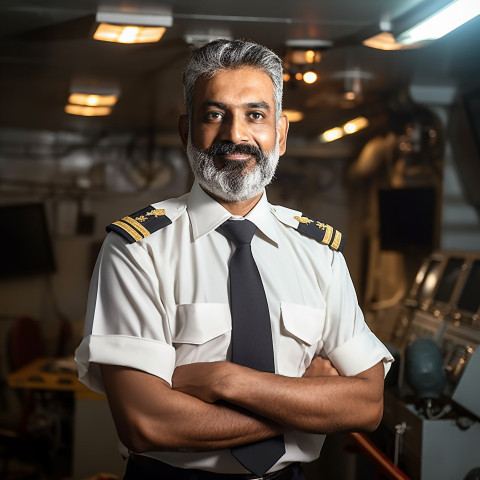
pixel 224 380
pixel 238 384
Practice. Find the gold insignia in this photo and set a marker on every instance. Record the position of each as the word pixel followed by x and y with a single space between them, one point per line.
pixel 137 225
pixel 303 220
pixel 141 218
pixel 328 235
pixel 157 212
pixel 321 226
pixel 129 230
pixel 337 240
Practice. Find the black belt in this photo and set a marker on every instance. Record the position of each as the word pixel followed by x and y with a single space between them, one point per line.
pixel 148 468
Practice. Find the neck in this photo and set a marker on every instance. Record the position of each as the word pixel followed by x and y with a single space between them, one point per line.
pixel 238 208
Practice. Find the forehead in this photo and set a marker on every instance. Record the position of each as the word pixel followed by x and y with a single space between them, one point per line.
pixel 235 86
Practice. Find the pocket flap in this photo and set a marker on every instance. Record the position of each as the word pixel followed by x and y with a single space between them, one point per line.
pixel 304 322
pixel 197 323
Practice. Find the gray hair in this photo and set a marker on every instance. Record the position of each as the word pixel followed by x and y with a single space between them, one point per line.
pixel 218 55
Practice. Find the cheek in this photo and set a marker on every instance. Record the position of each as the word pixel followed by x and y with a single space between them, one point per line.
pixel 202 137
pixel 265 139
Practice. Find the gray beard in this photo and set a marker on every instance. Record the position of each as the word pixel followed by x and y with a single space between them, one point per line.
pixel 231 183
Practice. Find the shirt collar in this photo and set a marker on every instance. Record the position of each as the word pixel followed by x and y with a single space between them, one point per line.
pixel 262 217
pixel 206 214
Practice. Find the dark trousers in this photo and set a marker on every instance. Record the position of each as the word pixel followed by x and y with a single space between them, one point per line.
pixel 151 469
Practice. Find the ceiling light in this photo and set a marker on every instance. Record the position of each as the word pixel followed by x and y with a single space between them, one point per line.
pixel 201 38
pixel 92 100
pixel 310 77
pixel 87 111
pixel 440 23
pixel 355 125
pixel 386 41
pixel 137 26
pixel 294 115
pixel 306 51
pixel 348 128
pixel 303 57
pixel 332 134
pixel 128 33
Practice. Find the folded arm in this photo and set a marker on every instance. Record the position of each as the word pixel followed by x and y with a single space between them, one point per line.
pixel 150 415
pixel 219 405
pixel 316 403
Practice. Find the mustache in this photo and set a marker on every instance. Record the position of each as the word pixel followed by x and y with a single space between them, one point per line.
pixel 233 148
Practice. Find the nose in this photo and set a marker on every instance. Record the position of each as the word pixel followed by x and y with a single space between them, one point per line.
pixel 235 129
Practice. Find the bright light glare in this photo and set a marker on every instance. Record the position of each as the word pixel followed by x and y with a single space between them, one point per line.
pixel 444 21
pixel 310 56
pixel 128 33
pixel 87 111
pixel 92 100
pixel 294 115
pixel 332 134
pixel 348 128
pixel 386 41
pixel 355 125
pixel 310 77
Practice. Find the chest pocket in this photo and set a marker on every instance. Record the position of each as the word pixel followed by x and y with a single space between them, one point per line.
pixel 302 331
pixel 201 332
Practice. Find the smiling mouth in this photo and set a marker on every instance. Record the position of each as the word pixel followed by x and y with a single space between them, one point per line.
pixel 237 157
pixel 234 162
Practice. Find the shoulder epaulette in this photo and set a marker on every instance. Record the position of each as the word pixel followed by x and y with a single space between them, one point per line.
pixel 320 231
pixel 140 224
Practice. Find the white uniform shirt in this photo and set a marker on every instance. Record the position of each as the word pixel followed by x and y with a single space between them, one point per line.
pixel 163 301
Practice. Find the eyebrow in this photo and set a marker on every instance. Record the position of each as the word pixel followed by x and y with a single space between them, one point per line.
pixel 224 106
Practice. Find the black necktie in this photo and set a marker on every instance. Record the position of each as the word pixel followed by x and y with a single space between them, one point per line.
pixel 251 333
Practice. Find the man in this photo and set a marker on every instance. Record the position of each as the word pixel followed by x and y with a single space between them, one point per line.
pixel 158 333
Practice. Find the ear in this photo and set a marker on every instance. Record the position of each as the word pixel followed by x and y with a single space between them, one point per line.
pixel 282 132
pixel 183 129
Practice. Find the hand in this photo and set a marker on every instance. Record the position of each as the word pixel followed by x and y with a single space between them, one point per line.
pixel 200 380
pixel 320 368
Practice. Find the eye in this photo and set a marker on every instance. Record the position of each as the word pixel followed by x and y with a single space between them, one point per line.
pixel 256 115
pixel 213 116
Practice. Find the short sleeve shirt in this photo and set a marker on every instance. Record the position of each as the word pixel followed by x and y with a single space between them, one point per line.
pixel 162 302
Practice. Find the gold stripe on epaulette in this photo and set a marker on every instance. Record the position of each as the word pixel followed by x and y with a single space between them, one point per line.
pixel 137 225
pixel 337 240
pixel 328 234
pixel 128 229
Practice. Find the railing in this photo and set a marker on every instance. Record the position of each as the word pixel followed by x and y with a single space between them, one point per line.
pixel 378 457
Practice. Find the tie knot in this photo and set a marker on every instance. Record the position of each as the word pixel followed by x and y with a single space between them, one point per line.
pixel 240 232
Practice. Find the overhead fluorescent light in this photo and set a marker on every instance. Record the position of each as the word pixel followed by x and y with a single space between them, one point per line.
pixel 92 96
pixel 88 111
pixel 138 26
pixel 441 22
pixel 92 100
pixel 107 32
pixel 162 18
